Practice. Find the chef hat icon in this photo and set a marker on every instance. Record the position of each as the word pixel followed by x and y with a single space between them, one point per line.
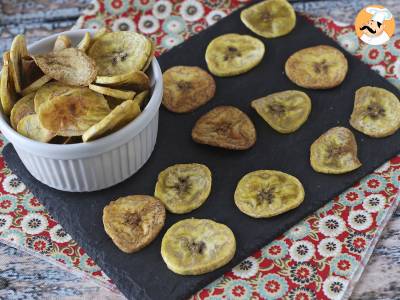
pixel 379 14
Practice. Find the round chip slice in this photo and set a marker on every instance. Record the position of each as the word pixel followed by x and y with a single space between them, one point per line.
pixel 73 113
pixel 7 87
pixel 119 94
pixel 69 66
pixel 84 44
pixel 17 52
pixel 318 67
pixel 183 187
pixel 376 112
pixel 30 127
pixel 284 111
pixel 133 222
pixel 267 193
pixel 187 88
pixel 22 108
pixel 233 54
pixel 270 18
pixel 335 152
pixel 197 246
pixel 62 42
pixel 116 119
pixel 226 127
pixel 136 80
pixel 49 91
pixel 118 53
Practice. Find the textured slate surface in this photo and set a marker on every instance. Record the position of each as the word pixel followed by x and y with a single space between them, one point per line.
pixel 144 274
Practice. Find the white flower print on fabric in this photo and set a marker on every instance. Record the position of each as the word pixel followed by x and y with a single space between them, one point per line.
pixel 13 185
pixel 374 203
pixel 162 9
pixel 124 24
pixel 329 247
pixel 58 234
pixel 214 16
pixel 334 287
pixel 246 269
pixel 302 251
pixel 34 223
pixel 191 10
pixel 148 24
pixel 5 222
pixel 331 226
pixel 359 219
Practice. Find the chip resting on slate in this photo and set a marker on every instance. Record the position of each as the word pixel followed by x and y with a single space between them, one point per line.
pixel 80 213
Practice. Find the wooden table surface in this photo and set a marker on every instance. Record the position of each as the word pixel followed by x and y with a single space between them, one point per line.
pixel 23 276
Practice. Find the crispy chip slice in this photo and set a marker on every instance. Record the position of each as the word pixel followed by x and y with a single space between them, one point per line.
pixel 7 88
pixel 183 187
pixel 187 88
pixel 335 152
pixel 267 193
pixel 84 44
pixel 151 55
pixel 115 93
pixel 70 66
pixel 133 222
pixel 197 246
pixel 22 108
pixel 376 112
pixel 116 119
pixel 142 98
pixel 284 111
pixel 37 84
pixel 226 127
pixel 71 114
pixel 98 34
pixel 118 53
pixel 49 91
pixel 17 52
pixel 30 127
pixel 135 80
pixel 233 54
pixel 62 42
pixel 318 67
pixel 269 18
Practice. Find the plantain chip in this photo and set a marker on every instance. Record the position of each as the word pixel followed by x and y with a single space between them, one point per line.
pixel 69 66
pixel 376 112
pixel 197 246
pixel 118 53
pixel 22 108
pixel 335 152
pixel 233 54
pixel 49 91
pixel 284 111
pixel 318 67
pixel 98 34
pixel 73 113
pixel 115 93
pixel 7 89
pixel 30 127
pixel 135 80
pixel 150 57
pixel 62 42
pixel 269 18
pixel 84 44
pixel 142 98
pixel 37 84
pixel 183 187
pixel 187 88
pixel 116 119
pixel 268 193
pixel 17 52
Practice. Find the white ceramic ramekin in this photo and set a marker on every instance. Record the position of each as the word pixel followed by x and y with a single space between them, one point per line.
pixel 94 165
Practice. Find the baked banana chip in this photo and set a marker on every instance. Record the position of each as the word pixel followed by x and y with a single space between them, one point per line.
pixel 73 113
pixel 267 193
pixel 226 127
pixel 49 91
pixel 8 95
pixel 30 127
pixel 318 67
pixel 120 116
pixel 84 44
pixel 233 54
pixel 69 66
pixel 187 88
pixel 183 187
pixel 136 80
pixel 62 42
pixel 133 222
pixel 115 93
pixel 376 112
pixel 270 18
pixel 22 108
pixel 284 111
pixel 197 246
pixel 17 52
pixel 335 152
pixel 118 53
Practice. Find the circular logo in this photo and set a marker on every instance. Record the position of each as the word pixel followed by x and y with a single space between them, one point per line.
pixel 375 25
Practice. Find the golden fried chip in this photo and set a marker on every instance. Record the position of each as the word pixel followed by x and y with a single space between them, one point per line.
pixel 226 127
pixel 150 57
pixel 118 53
pixel 197 246
pixel 335 152
pixel 49 91
pixel 30 127
pixel 187 88
pixel 376 112
pixel 84 44
pixel 115 93
pixel 73 113
pixel 284 111
pixel 17 52
pixel 318 67
pixel 142 98
pixel 98 34
pixel 62 42
pixel 133 222
pixel 37 84
pixel 23 107
pixel 7 87
pixel 135 80
pixel 269 18
pixel 233 54
pixel 183 187
pixel 116 119
pixel 268 193
pixel 69 66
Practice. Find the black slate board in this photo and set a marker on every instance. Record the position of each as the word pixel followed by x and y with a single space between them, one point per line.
pixel 144 275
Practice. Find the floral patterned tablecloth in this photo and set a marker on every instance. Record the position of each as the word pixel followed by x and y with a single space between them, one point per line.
pixel 321 257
